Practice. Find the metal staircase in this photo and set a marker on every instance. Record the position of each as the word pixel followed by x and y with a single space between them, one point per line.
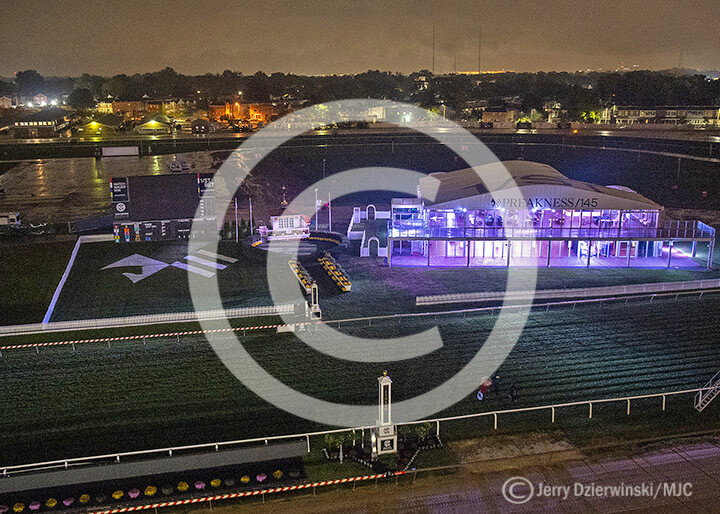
pixel 708 393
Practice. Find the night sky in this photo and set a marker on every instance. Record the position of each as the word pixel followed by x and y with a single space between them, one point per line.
pixel 69 37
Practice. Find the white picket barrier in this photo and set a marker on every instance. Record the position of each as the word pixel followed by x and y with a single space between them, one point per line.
pixel 147 319
pixel 585 292
pixel 216 446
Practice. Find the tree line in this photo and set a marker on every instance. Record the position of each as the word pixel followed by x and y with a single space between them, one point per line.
pixel 578 93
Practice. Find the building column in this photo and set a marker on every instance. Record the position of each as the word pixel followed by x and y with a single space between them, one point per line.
pixel 508 253
pixel 629 249
pixel 389 251
pixel 428 253
pixel 711 248
pixel 694 248
pixel 467 253
pixel 549 252
pixel 670 247
pixel 589 253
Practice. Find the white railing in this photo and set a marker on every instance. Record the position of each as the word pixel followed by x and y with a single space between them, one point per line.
pixel 586 292
pixel 116 457
pixel 492 310
pixel 147 319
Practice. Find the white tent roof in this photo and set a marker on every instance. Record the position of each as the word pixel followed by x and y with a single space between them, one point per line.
pixel 538 185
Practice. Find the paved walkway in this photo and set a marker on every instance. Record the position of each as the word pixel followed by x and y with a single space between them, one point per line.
pixel 468 491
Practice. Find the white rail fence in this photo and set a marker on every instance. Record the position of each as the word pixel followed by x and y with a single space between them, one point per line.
pixel 584 292
pixel 356 431
pixel 389 318
pixel 148 319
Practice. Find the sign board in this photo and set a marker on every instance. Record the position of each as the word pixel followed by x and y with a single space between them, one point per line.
pixel 206 184
pixel 120 151
pixel 386 430
pixel 162 207
pixel 119 189
pixel 386 445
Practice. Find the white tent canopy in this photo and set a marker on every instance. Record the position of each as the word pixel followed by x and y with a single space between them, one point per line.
pixel 539 186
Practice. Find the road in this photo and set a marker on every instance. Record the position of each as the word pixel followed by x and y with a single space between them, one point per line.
pixel 477 490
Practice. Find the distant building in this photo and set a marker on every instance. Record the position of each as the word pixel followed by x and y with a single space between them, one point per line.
pixel 254 113
pixel 422 82
pixel 474 108
pixel 5 102
pixel 105 106
pixel 131 110
pixel 499 115
pixel 155 124
pixel 40 100
pixel 391 114
pixel 263 113
pixel 219 111
pixel 674 115
pixel 45 123
pixel 104 125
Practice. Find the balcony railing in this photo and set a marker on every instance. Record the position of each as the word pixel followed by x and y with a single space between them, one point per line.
pixel 671 230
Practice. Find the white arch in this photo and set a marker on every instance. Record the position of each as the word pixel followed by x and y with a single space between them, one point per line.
pixel 373 238
pixel 367 212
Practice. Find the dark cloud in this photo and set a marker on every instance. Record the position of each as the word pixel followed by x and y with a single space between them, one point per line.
pixel 105 37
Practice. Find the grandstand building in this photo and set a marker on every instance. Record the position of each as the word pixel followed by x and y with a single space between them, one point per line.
pixel 549 220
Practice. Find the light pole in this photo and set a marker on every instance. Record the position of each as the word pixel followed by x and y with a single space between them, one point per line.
pixel 316 209
pixel 323 168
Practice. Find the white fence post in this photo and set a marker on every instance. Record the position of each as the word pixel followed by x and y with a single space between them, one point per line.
pixel 169 451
